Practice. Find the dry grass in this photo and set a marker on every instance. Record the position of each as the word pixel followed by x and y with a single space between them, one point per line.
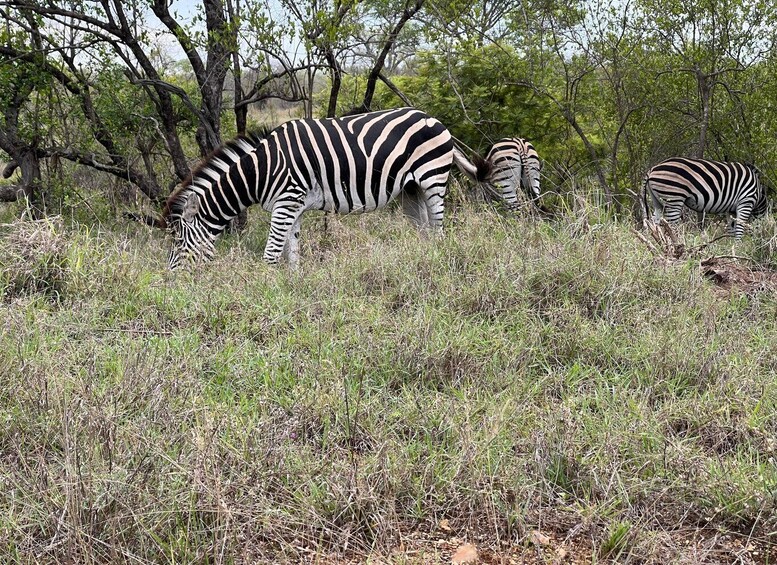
pixel 34 257
pixel 545 391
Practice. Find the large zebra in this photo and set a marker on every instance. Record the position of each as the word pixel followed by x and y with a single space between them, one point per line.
pixel 352 164
pixel 514 162
pixel 713 187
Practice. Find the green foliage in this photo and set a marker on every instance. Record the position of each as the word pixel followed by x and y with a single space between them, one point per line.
pixel 125 109
pixel 483 86
pixel 603 90
pixel 615 544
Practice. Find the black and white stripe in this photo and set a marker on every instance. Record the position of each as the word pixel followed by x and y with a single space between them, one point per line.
pixel 712 187
pixel 352 164
pixel 514 162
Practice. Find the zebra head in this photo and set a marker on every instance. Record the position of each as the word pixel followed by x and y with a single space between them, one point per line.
pixel 192 240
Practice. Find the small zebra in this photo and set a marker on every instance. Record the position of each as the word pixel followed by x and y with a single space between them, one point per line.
pixel 352 164
pixel 514 162
pixel 706 186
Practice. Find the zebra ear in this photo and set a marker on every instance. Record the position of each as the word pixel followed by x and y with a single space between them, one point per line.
pixel 190 207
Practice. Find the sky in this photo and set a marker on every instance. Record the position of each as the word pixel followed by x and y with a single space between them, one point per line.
pixel 183 11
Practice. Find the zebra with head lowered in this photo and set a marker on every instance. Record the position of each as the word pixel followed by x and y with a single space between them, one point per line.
pixel 713 187
pixel 352 164
pixel 514 162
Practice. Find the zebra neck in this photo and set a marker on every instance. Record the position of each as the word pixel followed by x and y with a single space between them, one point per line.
pixel 233 185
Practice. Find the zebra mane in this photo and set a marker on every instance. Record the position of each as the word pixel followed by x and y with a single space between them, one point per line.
pixel 229 152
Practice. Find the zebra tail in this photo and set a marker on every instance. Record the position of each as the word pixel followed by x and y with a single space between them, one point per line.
pixel 644 196
pixel 477 169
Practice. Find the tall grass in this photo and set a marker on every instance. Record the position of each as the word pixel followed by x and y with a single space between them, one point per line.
pixel 511 376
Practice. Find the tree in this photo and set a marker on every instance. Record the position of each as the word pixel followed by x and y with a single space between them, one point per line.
pixel 76 45
pixel 396 16
pixel 711 41
pixel 19 82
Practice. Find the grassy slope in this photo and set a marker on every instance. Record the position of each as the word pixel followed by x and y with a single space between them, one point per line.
pixel 512 376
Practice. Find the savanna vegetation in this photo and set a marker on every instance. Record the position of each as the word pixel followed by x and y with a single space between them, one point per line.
pixel 561 387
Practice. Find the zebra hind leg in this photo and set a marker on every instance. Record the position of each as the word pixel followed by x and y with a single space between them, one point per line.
pixel 673 210
pixel 740 217
pixel 657 205
pixel 434 197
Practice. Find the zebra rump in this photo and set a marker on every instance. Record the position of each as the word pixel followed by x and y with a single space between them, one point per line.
pixel 514 162
pixel 352 164
pixel 713 187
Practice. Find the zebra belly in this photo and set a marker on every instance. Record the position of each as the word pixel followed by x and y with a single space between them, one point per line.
pixel 327 203
pixel 336 201
pixel 710 207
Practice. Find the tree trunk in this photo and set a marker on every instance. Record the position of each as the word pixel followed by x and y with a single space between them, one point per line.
pixel 380 62
pixel 26 159
pixel 337 80
pixel 309 100
pixel 705 93
pixel 241 110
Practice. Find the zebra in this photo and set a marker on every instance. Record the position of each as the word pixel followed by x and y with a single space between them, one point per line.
pixel 714 187
pixel 352 164
pixel 514 161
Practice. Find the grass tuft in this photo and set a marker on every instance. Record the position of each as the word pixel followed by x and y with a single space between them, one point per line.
pixel 34 258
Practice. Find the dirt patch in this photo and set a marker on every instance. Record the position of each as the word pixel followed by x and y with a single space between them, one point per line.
pixel 729 273
pixel 684 546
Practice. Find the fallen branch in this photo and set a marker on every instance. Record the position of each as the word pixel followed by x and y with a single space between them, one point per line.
pixel 694 250
pixel 711 260
pixel 651 246
pixel 148 219
pixel 666 239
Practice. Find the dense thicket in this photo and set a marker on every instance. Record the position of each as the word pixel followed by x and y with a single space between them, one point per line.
pixel 122 98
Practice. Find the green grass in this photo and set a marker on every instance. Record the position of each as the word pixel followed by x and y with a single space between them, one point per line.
pixel 510 376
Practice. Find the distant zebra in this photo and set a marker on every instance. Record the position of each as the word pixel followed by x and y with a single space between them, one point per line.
pixel 353 164
pixel 705 186
pixel 514 162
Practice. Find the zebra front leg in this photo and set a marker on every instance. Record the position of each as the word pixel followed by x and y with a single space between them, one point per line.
pixel 284 217
pixel 414 206
pixel 291 250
